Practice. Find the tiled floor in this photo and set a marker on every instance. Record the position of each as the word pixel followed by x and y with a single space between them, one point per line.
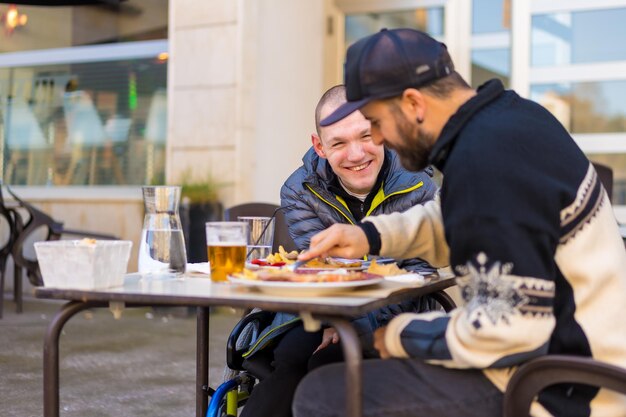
pixel 140 365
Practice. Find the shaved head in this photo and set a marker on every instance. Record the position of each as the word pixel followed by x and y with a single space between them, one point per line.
pixel 334 97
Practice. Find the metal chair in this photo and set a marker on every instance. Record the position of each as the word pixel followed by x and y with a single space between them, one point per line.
pixel 540 373
pixel 29 152
pixel 88 138
pixel 281 233
pixel 24 230
pixel 9 215
pixel 605 174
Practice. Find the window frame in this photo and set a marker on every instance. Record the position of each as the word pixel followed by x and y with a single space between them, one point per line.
pixel 84 54
pixel 590 143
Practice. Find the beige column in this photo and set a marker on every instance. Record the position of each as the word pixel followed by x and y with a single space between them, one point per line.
pixel 202 87
pixel 243 80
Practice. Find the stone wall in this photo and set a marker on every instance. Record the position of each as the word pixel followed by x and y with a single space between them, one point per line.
pixel 244 78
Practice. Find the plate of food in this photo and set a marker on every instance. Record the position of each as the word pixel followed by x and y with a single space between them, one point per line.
pixel 274 260
pixel 332 264
pixel 283 258
pixel 300 283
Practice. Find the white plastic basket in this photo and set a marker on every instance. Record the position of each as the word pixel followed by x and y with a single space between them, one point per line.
pixel 83 264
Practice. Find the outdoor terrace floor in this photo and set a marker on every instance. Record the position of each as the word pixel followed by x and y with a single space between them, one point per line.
pixel 141 365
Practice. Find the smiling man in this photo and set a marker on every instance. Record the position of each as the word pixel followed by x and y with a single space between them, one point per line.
pixel 348 148
pixel 345 176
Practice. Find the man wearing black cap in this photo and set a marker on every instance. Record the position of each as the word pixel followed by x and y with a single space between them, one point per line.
pixel 524 221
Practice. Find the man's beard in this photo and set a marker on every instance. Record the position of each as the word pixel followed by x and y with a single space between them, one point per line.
pixel 414 145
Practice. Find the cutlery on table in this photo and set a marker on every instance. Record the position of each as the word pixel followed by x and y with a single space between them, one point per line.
pixel 297 264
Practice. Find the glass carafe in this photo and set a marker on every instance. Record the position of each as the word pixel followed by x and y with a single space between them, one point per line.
pixel 162 247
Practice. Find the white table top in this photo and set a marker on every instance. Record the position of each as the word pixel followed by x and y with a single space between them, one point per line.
pixel 193 290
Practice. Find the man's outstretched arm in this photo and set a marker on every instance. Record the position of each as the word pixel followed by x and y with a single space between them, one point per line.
pixel 418 232
pixel 341 240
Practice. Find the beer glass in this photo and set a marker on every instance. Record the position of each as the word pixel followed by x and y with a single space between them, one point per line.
pixel 226 247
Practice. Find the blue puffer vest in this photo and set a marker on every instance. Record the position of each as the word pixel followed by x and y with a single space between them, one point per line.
pixel 314 208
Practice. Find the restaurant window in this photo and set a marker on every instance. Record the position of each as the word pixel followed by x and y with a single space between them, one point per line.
pixel 491 16
pixel 491 45
pixel 578 37
pixel 491 63
pixel 617 161
pixel 359 25
pixel 577 71
pixel 585 107
pixel 87 104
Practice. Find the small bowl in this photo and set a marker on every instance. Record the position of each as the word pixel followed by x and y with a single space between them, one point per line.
pixel 83 264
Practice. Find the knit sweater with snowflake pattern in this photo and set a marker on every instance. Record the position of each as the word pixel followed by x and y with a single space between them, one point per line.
pixel 530 232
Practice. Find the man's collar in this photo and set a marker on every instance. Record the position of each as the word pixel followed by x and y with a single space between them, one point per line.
pixel 486 93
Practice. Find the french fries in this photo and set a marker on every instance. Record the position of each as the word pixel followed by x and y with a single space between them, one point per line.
pixel 246 274
pixel 385 270
pixel 282 256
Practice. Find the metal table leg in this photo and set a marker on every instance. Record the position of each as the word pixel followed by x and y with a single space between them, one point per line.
pixel 17 289
pixel 352 357
pixel 51 355
pixel 444 300
pixel 202 361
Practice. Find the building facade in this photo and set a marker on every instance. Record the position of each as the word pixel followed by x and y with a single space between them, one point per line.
pixel 98 100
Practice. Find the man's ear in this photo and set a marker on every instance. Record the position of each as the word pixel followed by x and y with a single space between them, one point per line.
pixel 317 146
pixel 413 104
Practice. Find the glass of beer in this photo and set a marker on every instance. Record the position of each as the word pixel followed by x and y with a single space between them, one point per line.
pixel 226 247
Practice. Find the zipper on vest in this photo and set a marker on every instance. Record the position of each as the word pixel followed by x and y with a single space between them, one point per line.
pixel 329 203
pixel 379 200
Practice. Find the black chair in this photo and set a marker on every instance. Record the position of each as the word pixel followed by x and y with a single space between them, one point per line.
pixel 24 230
pixel 605 174
pixel 537 374
pixel 9 216
pixel 281 233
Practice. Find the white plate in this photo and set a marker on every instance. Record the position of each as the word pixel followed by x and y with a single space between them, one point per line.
pixel 302 289
pixel 406 278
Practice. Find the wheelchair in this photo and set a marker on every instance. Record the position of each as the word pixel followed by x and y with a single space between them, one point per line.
pixel 243 373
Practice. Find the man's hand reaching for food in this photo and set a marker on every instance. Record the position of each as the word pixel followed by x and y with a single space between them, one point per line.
pixel 339 240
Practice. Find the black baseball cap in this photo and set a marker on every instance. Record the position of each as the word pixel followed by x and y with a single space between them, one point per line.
pixel 386 63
